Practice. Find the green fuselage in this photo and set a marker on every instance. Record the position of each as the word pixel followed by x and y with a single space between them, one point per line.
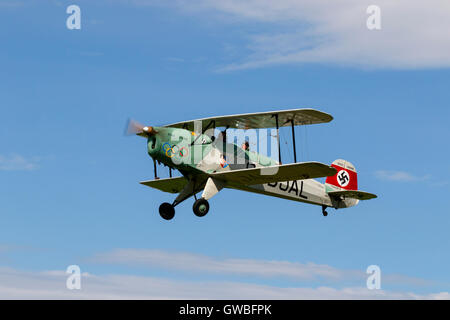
pixel 191 152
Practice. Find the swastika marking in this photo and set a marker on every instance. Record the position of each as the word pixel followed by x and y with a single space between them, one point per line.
pixel 343 178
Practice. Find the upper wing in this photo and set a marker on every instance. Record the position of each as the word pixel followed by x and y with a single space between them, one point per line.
pixel 172 185
pixel 286 172
pixel 355 194
pixel 260 119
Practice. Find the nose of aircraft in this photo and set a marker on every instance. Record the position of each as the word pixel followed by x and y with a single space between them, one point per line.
pixel 149 130
pixel 135 128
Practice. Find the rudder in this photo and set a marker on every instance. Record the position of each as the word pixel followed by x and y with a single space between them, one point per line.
pixel 346 177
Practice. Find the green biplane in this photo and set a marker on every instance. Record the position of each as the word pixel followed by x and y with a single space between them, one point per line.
pixel 208 162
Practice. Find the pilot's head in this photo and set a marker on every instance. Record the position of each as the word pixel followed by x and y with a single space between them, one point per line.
pixel 245 146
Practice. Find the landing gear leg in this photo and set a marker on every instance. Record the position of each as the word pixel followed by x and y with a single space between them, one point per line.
pixel 167 210
pixel 324 212
pixel 200 207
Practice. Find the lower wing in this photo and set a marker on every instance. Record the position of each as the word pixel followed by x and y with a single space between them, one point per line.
pixel 286 172
pixel 172 185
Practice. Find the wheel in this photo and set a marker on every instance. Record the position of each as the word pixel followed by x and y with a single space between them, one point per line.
pixel 325 213
pixel 166 211
pixel 200 207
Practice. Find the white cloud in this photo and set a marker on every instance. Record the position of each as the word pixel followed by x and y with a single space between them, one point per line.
pixel 200 263
pixel 11 4
pixel 16 284
pixel 19 284
pixel 15 162
pixel 195 263
pixel 414 34
pixel 400 176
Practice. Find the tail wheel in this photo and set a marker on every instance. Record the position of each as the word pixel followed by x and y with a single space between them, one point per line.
pixel 166 211
pixel 324 212
pixel 201 207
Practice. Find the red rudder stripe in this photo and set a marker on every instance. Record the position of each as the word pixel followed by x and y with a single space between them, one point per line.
pixel 344 178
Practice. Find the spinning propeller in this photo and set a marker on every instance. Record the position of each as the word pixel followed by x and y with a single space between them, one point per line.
pixel 135 128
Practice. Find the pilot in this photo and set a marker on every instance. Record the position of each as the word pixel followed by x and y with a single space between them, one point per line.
pixel 245 146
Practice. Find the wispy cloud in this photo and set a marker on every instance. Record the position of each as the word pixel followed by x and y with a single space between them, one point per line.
pixel 11 4
pixel 399 176
pixel 17 284
pixel 174 59
pixel 414 33
pixel 16 162
pixel 200 263
pixel 195 263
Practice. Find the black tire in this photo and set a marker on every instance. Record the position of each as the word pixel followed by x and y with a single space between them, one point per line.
pixel 166 211
pixel 200 207
pixel 324 212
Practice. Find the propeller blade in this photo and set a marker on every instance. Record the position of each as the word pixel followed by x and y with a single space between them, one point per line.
pixel 133 127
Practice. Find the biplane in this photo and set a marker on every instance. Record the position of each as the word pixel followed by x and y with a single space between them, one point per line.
pixel 209 163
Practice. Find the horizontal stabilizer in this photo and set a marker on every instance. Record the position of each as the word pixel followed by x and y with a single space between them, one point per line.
pixel 286 172
pixel 172 185
pixel 354 194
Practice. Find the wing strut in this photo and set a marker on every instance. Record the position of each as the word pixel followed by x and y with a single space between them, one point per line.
pixel 293 140
pixel 212 122
pixel 278 136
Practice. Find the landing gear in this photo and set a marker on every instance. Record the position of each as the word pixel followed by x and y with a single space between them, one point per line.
pixel 166 211
pixel 324 212
pixel 200 207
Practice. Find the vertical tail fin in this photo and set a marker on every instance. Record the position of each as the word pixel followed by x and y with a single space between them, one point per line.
pixel 346 177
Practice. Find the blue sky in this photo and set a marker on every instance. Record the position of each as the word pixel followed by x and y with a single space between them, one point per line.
pixel 70 192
